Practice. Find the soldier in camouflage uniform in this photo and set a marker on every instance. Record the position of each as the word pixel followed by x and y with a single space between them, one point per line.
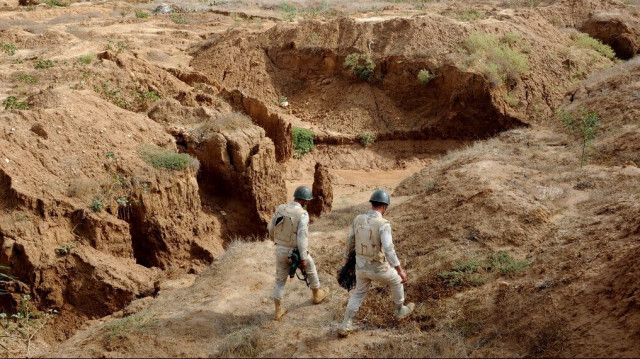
pixel 289 228
pixel 376 260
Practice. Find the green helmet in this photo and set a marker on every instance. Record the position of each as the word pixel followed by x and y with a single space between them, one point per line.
pixel 303 192
pixel 381 196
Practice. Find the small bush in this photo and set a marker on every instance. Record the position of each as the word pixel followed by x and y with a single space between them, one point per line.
pixel 87 59
pixel 302 141
pixel 7 48
pixel 142 14
pixel 165 158
pixel 120 328
pixel 584 41
pixel 146 95
pixel 290 10
pixel 466 15
pixel 12 103
pixel 586 126
pixel 361 65
pixel 497 60
pixel 180 20
pixel 52 3
pixel 44 64
pixel 27 79
pixel 424 76
pixel 65 249
pixel 366 139
pixel 96 205
pixel 505 264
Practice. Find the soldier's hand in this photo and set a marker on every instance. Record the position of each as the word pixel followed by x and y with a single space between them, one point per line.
pixel 402 275
pixel 303 264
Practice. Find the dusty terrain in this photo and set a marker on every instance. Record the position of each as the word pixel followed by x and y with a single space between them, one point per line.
pixel 143 148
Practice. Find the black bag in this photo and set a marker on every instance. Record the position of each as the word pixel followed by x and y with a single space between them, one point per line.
pixel 347 274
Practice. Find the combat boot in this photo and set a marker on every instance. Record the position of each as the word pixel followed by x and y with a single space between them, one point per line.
pixel 347 324
pixel 403 311
pixel 279 311
pixel 319 294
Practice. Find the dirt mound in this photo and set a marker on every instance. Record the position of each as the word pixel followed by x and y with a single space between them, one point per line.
pixel 322 191
pixel 307 68
pixel 615 32
pixel 83 210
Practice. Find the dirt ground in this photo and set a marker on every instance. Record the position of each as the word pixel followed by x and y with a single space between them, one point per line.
pixel 144 146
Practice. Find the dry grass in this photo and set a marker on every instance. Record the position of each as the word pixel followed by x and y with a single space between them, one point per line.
pixel 340 218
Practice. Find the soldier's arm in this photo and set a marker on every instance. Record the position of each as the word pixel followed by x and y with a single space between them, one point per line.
pixel 303 231
pixel 389 250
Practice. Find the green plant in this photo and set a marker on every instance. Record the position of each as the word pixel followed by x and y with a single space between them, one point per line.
pixel 96 205
pixel 586 126
pixel 464 273
pixel 584 41
pixel 7 48
pixel 146 95
pixel 5 278
pixel 159 157
pixel 505 264
pixel 44 64
pixel 424 76
pixel 495 59
pixel 361 65
pixel 12 103
pixel 52 3
pixel 511 100
pixel 366 139
pixel 27 79
pixel 117 47
pixel 87 59
pixel 302 141
pixel 290 10
pixel 65 249
pixel 112 93
pixel 134 323
pixel 142 14
pixel 466 15
pixel 181 20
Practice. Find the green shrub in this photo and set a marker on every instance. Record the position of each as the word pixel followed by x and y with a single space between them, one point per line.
pixel 146 95
pixel 44 64
pixel 96 205
pixel 12 103
pixel 142 14
pixel 302 141
pixel 584 41
pixel 53 3
pixel 505 264
pixel 424 76
pixel 165 158
pixel 65 249
pixel 87 59
pixel 466 15
pixel 366 139
pixel 27 79
pixel 7 48
pixel 290 10
pixel 5 279
pixel 181 20
pixel 361 65
pixel 464 273
pixel 586 126
pixel 495 59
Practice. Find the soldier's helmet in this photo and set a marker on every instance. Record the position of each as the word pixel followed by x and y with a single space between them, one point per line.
pixel 380 196
pixel 303 192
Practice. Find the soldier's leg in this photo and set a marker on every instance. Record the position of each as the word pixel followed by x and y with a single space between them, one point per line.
pixel 363 283
pixel 282 272
pixel 312 273
pixel 319 294
pixel 391 278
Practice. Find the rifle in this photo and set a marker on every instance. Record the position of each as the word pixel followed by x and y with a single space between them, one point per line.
pixel 347 274
pixel 295 264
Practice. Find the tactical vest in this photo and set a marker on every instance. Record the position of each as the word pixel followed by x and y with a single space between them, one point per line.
pixel 367 235
pixel 285 232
